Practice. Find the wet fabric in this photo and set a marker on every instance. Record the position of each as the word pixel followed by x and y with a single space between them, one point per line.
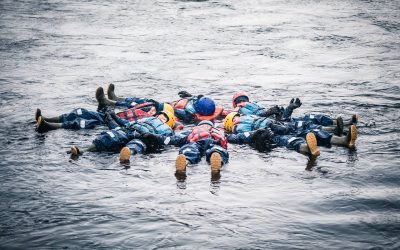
pixel 196 150
pixel 81 118
pixel 252 108
pixel 112 140
pixel 251 122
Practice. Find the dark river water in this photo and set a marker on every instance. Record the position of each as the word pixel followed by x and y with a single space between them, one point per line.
pixel 339 57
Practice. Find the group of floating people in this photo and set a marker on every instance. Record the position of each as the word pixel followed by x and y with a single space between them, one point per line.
pixel 199 127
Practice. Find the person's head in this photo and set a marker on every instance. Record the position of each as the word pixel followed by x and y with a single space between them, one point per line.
pixel 167 118
pixel 206 123
pixel 168 107
pixel 230 121
pixel 205 106
pixel 239 97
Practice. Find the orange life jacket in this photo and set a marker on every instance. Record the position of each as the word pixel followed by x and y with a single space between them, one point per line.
pixel 217 112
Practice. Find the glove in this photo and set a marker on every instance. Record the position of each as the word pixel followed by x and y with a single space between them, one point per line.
pixel 294 104
pixel 262 140
pixel 184 94
pixel 152 141
pixel 275 110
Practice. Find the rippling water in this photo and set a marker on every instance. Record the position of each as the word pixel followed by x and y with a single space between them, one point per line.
pixel 339 57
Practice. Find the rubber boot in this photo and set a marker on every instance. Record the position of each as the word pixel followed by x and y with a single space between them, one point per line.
pixel 215 162
pixel 125 155
pixel 38 113
pixel 74 151
pixel 111 94
pixel 310 148
pixel 354 120
pixel 352 137
pixel 102 100
pixel 347 141
pixel 43 126
pixel 48 119
pixel 339 126
pixel 180 164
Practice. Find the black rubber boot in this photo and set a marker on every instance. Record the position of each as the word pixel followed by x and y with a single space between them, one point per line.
pixel 47 119
pixel 339 126
pixel 44 126
pixel 102 100
pixel 111 93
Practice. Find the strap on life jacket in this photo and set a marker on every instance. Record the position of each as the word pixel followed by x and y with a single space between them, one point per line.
pixel 181 104
pixel 135 113
pixel 217 112
pixel 199 133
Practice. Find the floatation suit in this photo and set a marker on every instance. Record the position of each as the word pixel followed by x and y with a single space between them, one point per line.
pixel 205 141
pixel 151 125
pixel 202 133
pixel 251 108
pixel 117 138
pixel 249 123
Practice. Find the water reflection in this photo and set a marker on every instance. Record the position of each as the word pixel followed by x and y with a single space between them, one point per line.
pixel 215 182
pixel 311 163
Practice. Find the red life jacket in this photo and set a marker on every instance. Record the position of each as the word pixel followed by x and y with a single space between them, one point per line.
pixel 204 132
pixel 135 113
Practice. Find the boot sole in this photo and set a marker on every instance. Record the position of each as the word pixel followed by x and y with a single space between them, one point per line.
pixel 38 114
pixel 39 125
pixel 125 155
pixel 312 145
pixel 215 162
pixel 180 164
pixel 353 136
pixel 74 151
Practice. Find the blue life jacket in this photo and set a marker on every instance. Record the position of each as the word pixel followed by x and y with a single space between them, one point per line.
pixel 250 123
pixel 251 108
pixel 151 125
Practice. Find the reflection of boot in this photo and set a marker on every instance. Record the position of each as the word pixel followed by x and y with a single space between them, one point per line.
pixel 111 94
pixel 102 100
pixel 313 149
pixel 351 137
pixel 180 164
pixel 43 126
pixel 215 162
pixel 125 155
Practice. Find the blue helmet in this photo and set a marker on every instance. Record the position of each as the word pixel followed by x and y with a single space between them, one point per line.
pixel 205 106
pixel 206 122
